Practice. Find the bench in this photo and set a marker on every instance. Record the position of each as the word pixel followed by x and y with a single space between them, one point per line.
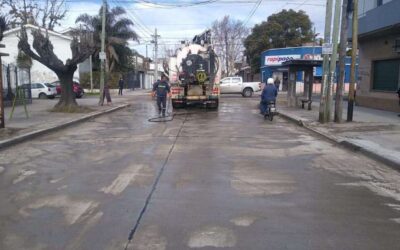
pixel 304 101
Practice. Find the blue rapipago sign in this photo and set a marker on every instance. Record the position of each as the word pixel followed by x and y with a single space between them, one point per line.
pixel 278 60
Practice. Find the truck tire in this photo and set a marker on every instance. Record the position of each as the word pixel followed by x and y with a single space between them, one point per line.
pixel 179 105
pixel 247 92
pixel 213 106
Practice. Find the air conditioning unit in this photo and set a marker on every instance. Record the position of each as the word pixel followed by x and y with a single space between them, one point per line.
pixel 396 46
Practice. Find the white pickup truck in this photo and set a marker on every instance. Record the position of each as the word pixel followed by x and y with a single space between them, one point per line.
pixel 235 85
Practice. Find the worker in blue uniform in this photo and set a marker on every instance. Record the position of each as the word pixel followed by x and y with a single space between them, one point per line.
pixel 161 90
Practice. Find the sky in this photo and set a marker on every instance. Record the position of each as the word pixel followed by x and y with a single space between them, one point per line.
pixel 178 20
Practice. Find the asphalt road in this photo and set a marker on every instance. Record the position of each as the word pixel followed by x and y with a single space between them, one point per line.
pixel 210 180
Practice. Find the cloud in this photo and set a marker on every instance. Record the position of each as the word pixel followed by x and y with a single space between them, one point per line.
pixel 178 23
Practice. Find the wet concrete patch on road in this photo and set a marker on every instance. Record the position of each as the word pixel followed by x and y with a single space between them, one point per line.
pixel 23 174
pixel 393 206
pixel 251 180
pixel 91 222
pixel 13 241
pixel 212 236
pixel 244 220
pixel 150 238
pixel 138 173
pixel 397 220
pixel 72 209
pixel 19 155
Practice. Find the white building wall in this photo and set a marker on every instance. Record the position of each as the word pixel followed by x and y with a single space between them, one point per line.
pixel 39 72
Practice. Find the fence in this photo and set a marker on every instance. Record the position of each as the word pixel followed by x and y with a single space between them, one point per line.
pixel 16 79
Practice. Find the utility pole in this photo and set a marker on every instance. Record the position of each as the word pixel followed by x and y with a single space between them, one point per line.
pixel 102 53
pixel 155 41
pixel 342 64
pixel 91 74
pixel 335 35
pixel 2 125
pixel 354 48
pixel 325 67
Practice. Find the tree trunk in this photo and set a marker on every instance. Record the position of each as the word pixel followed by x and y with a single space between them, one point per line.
pixel 67 100
pixel 226 54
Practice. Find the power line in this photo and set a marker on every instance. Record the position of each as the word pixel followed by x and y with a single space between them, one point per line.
pixel 252 12
pixel 141 27
pixel 305 1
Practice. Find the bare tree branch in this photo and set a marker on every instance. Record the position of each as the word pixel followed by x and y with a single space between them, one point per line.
pixel 46 13
pixel 228 41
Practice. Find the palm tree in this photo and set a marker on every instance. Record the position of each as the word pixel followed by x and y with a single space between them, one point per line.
pixel 118 32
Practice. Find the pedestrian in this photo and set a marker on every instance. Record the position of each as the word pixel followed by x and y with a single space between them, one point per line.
pixel 161 90
pixel 277 83
pixel 398 94
pixel 268 95
pixel 120 85
pixel 106 94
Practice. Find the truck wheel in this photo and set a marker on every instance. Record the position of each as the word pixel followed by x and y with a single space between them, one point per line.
pixel 247 92
pixel 178 105
pixel 213 106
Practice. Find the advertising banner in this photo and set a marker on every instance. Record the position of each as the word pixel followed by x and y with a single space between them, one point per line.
pixel 278 60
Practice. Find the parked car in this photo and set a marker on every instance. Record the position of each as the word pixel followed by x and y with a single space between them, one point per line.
pixel 42 90
pixel 235 85
pixel 78 90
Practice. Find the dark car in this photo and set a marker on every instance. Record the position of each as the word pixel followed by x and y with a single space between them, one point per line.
pixel 76 88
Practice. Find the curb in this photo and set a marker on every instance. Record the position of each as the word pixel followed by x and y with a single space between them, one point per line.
pixel 22 138
pixel 343 142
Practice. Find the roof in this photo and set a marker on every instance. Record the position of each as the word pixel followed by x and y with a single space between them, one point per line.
pixel 302 63
pixel 299 47
pixel 30 26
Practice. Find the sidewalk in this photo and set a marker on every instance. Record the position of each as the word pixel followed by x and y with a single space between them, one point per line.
pixel 41 120
pixel 374 132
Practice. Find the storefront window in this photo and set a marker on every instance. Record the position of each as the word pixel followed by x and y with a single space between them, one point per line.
pixel 386 75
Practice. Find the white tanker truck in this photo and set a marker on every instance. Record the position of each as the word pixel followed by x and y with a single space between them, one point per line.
pixel 194 74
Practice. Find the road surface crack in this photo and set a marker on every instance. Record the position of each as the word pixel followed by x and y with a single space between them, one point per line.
pixel 153 188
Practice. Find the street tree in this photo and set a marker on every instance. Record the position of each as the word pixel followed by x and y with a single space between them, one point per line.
pixel 3 26
pixel 43 52
pixel 44 13
pixel 228 36
pixel 119 30
pixel 287 28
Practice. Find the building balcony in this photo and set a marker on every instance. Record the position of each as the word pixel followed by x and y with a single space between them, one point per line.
pixel 384 19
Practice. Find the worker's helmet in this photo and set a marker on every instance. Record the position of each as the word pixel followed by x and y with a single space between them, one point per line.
pixel 270 81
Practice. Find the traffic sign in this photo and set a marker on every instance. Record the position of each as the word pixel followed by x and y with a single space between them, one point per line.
pixel 327 49
pixel 102 56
